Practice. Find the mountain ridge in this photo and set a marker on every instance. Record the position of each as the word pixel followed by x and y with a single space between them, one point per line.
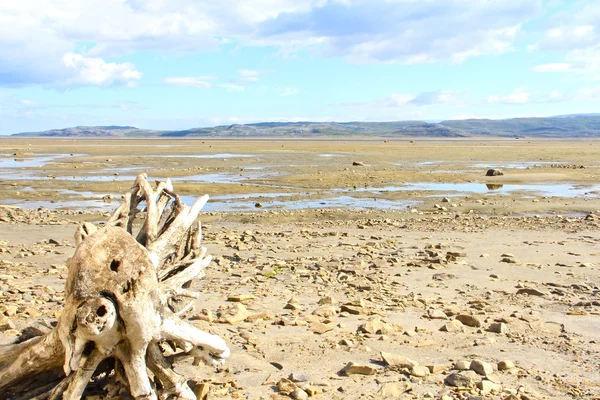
pixel 563 126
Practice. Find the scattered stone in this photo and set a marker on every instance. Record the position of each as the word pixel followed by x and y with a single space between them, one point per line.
pixel 469 320
pixel 353 368
pixel 299 394
pixel 234 314
pixel 489 387
pixel 313 391
pixel 453 326
pixel 378 327
pixel 498 327
pixel 201 390
pixel 393 390
pixel 505 365
pixel 354 308
pixel 296 377
pixel 293 304
pixel 530 291
pixel 494 172
pixel 326 311
pixel 6 324
pixel 327 301
pixel 459 379
pixel 397 362
pixel 241 298
pixel 462 365
pixel 435 368
pixel 481 367
pixel 436 314
pixel 320 328
pixel 419 371
pixel 286 386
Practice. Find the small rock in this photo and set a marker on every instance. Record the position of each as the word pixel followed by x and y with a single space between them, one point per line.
pixel 498 327
pixel 393 389
pixel 286 386
pixel 397 361
pixel 459 379
pixel 6 324
pixel 234 314
pixel 419 371
pixel 296 377
pixel 327 301
pixel 353 368
pixel 313 391
pixel 530 292
pixel 469 320
pixel 241 298
pixel 299 394
pixel 494 172
pixel 358 163
pixel 462 365
pixel 320 328
pixel 453 326
pixel 505 365
pixel 378 327
pixel 436 314
pixel 481 367
pixel 489 387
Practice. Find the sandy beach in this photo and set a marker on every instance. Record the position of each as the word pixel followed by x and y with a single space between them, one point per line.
pixel 400 256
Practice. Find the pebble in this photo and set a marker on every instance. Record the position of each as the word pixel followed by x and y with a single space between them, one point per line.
pixel 299 394
pixel 505 365
pixel 397 361
pixel 459 379
pixel 481 367
pixel 498 327
pixel 462 365
pixel 393 390
pixel 453 326
pixel 353 368
pixel 469 320
pixel 419 371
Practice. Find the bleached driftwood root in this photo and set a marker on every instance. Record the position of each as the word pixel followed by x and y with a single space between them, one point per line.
pixel 123 300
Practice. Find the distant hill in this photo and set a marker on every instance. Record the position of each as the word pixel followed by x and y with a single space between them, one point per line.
pixel 564 126
pixel 93 131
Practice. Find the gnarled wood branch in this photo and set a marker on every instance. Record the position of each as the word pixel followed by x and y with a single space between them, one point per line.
pixel 120 304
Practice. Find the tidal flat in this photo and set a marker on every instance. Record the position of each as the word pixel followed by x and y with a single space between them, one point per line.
pixel 540 176
pixel 487 285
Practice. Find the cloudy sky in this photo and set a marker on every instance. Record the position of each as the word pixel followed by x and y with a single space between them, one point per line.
pixel 175 64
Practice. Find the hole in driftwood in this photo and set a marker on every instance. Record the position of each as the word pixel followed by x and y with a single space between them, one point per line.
pixel 101 311
pixel 114 265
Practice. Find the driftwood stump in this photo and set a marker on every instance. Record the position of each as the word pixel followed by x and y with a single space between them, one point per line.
pixel 124 296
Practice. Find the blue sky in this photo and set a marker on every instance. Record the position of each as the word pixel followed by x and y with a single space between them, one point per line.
pixel 177 64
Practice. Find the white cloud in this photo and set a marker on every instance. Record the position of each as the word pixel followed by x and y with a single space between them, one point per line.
pixel 518 96
pixel 43 32
pixel 403 31
pixel 191 81
pixel 97 72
